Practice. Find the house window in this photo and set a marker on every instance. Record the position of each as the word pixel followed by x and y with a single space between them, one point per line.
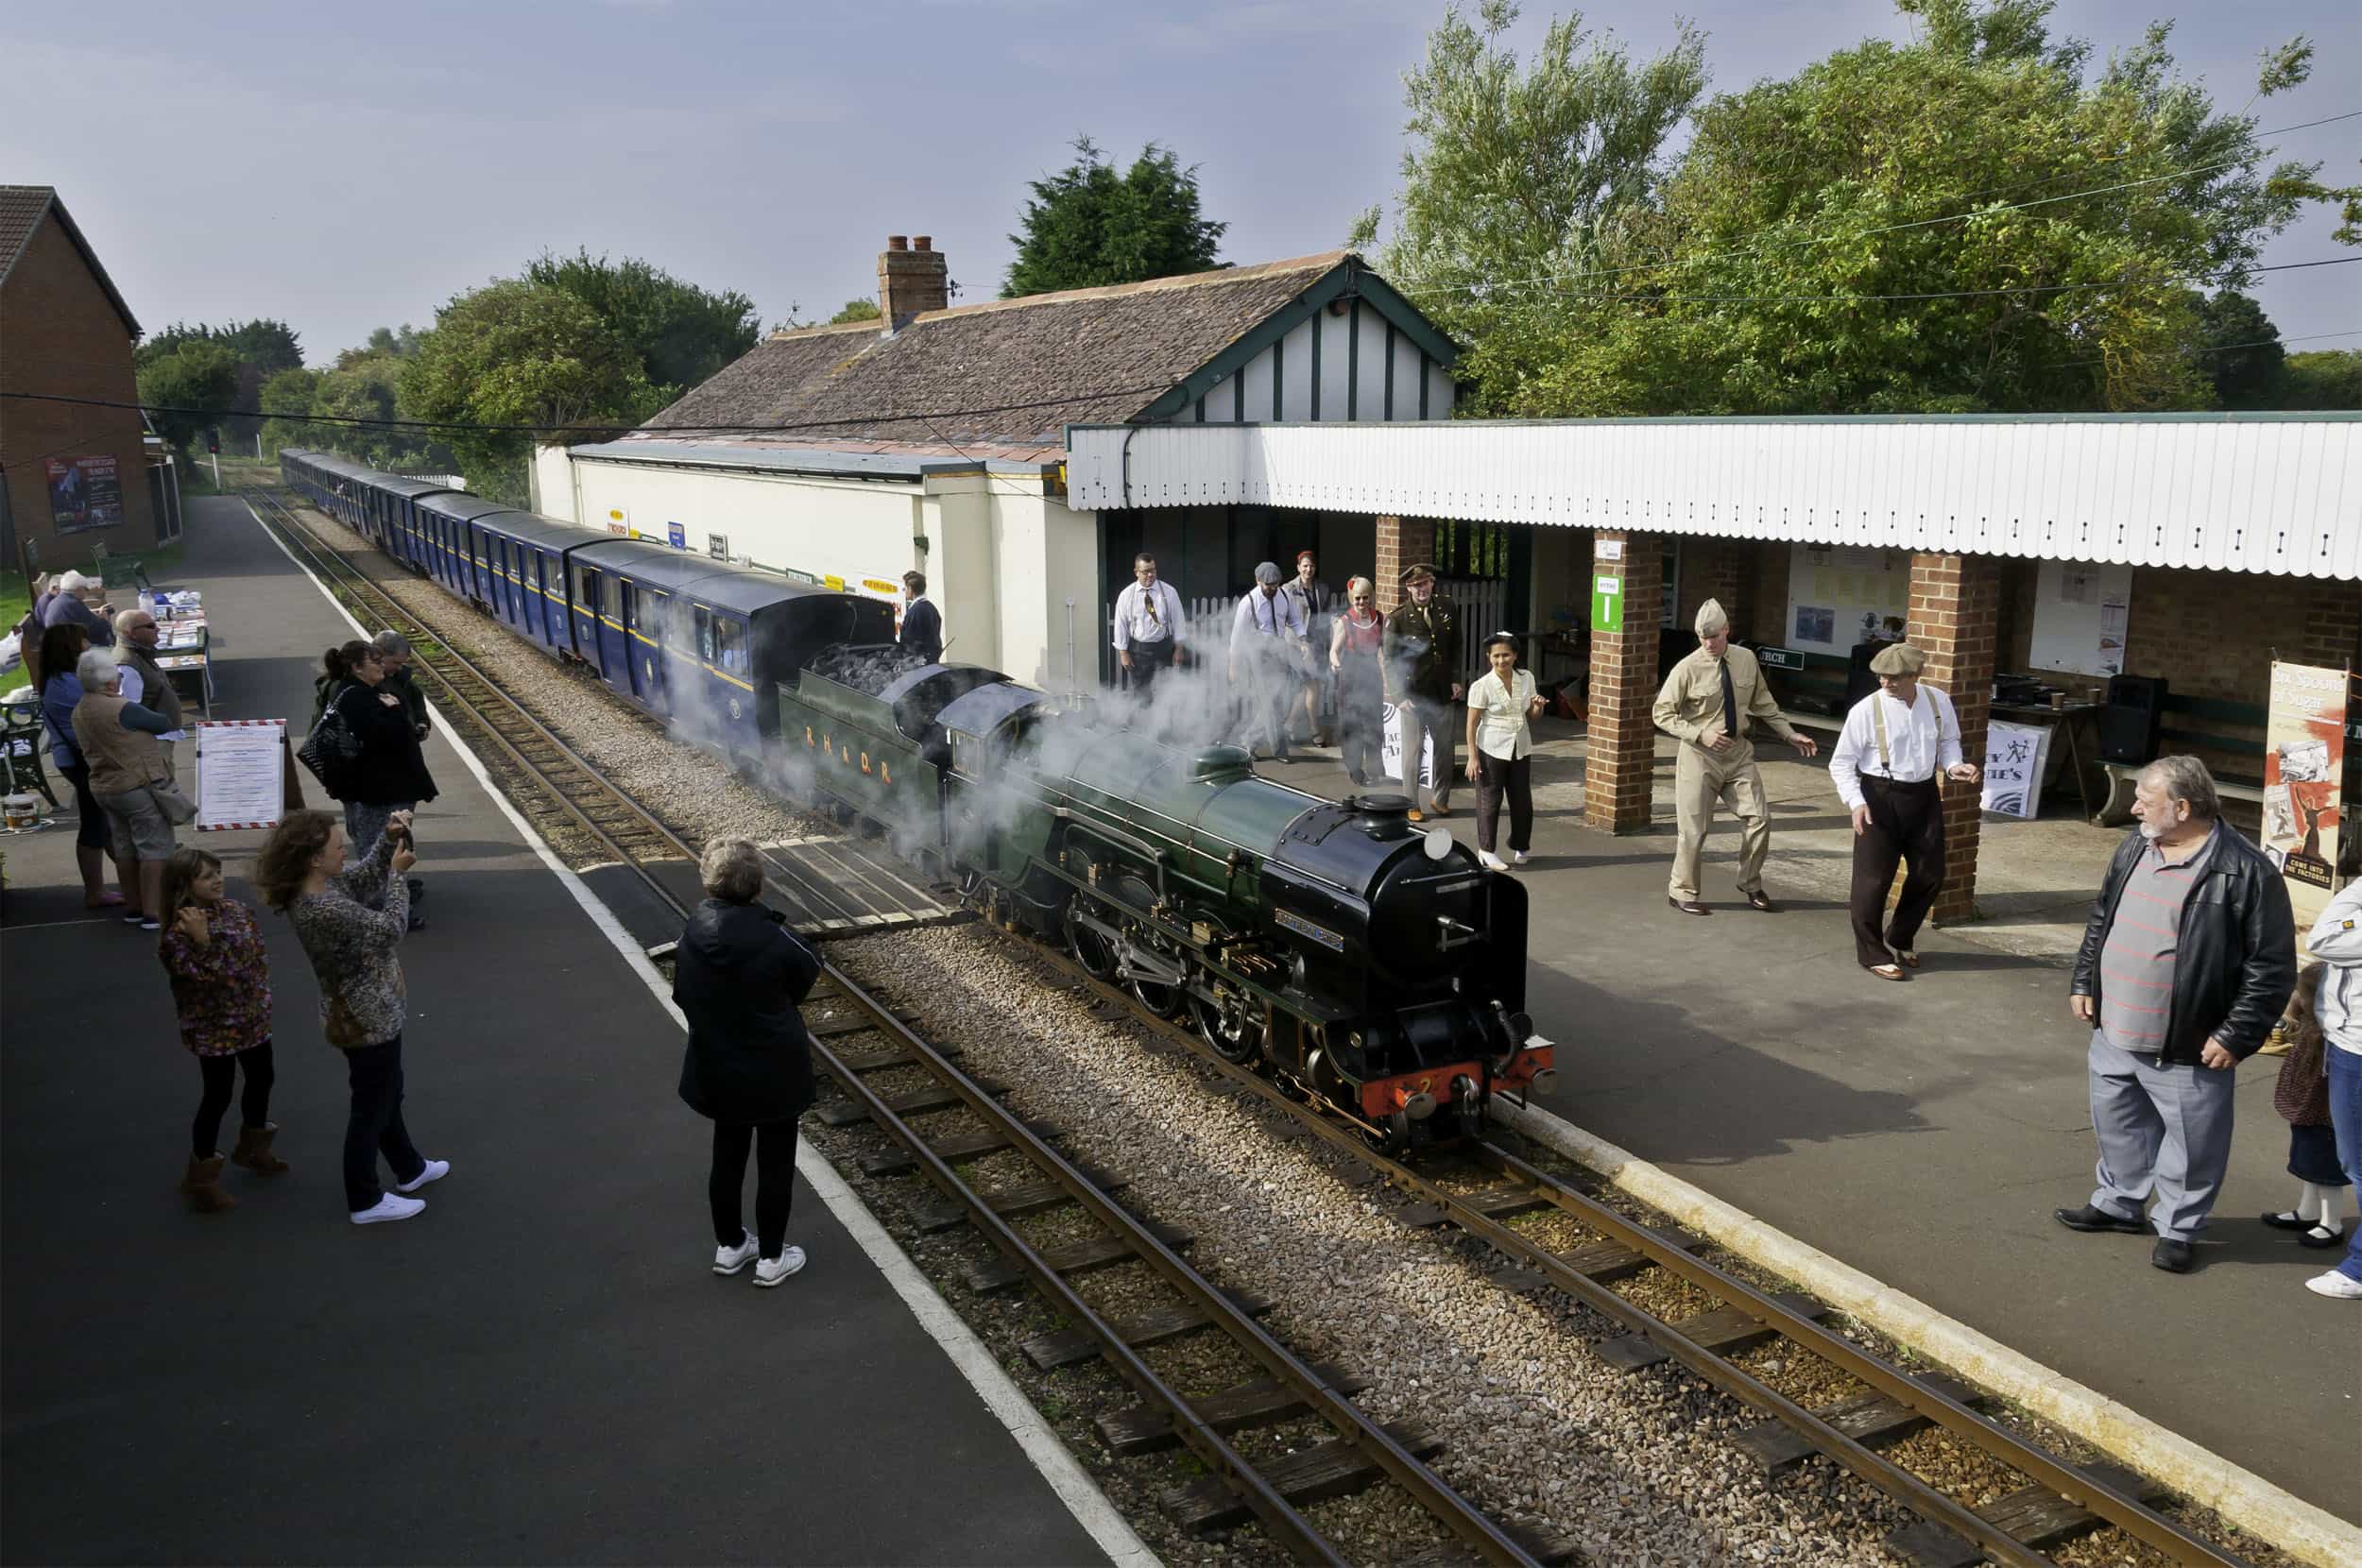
pixel 718 546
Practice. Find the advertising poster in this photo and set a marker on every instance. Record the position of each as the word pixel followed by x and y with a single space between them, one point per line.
pixel 1390 750
pixel 2304 763
pixel 2015 758
pixel 84 492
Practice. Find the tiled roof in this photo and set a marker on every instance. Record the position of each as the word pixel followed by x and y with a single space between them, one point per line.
pixel 1004 374
pixel 22 208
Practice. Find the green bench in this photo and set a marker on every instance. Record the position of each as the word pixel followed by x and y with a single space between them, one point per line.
pixel 2181 732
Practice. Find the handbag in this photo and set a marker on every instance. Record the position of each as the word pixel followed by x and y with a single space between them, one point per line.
pixel 179 808
pixel 331 750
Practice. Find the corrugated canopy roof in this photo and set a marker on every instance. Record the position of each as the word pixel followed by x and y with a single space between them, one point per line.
pixel 1008 373
pixel 22 208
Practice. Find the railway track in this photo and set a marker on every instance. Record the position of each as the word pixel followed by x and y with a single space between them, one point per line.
pixel 1483 1187
pixel 565 786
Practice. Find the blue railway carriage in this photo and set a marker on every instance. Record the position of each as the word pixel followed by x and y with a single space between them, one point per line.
pixel 449 549
pixel 696 641
pixel 393 518
pixel 518 570
pixel 336 487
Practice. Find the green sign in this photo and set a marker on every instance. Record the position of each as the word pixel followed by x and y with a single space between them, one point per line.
pixel 1607 604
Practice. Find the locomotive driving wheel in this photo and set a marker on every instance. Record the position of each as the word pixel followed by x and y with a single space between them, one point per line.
pixel 1166 1001
pixel 1228 1024
pixel 1090 947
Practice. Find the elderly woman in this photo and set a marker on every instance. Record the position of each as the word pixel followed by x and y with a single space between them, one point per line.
pixel 738 974
pixel 127 763
pixel 349 920
pixel 60 649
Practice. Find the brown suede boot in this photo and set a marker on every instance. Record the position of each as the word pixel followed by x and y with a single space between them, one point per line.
pixel 254 1151
pixel 203 1189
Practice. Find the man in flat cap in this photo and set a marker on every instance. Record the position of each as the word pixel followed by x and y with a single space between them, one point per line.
pixel 1900 743
pixel 1268 646
pixel 1705 703
pixel 1418 652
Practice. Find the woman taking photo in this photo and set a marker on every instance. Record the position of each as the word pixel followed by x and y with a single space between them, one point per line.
pixel 1502 705
pixel 221 988
pixel 738 974
pixel 349 920
pixel 60 649
pixel 128 777
pixel 1353 652
pixel 390 774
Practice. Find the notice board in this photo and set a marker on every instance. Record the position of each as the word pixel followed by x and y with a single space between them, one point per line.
pixel 241 774
pixel 2081 609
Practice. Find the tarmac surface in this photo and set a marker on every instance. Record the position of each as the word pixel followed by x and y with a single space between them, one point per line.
pixel 1921 1133
pixel 541 1367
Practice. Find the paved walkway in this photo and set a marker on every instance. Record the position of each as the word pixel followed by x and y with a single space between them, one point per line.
pixel 541 1367
pixel 1921 1133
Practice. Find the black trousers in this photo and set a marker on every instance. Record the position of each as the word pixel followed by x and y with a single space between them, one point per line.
pixel 1496 777
pixel 220 1074
pixel 1905 827
pixel 1149 660
pixel 375 1126
pixel 774 1143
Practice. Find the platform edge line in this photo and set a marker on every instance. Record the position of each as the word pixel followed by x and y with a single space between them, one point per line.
pixel 1100 1518
pixel 2262 1509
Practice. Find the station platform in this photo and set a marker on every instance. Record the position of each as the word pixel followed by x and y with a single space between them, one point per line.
pixel 541 1367
pixel 1921 1133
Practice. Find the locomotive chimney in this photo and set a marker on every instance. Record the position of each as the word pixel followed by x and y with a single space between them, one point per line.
pixel 912 277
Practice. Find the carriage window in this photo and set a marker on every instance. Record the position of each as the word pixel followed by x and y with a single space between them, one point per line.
pixel 587 589
pixel 705 634
pixel 730 639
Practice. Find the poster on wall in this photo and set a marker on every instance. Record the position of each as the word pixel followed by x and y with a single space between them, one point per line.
pixel 84 492
pixel 1389 750
pixel 2016 757
pixel 2082 609
pixel 1842 595
pixel 2305 766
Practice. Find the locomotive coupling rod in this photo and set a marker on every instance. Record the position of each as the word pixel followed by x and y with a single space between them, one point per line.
pixel 1287 1526
pixel 2095 1496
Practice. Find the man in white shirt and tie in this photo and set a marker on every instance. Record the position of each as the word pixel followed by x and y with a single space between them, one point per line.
pixel 1148 630
pixel 1900 742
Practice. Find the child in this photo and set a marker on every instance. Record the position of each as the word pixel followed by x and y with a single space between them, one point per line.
pixel 221 988
pixel 2302 1094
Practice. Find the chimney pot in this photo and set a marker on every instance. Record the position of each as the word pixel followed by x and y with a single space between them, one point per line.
pixel 898 242
pixel 923 241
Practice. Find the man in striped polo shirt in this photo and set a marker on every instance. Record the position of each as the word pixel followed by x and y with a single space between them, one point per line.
pixel 2187 960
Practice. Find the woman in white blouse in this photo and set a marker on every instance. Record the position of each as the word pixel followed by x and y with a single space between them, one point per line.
pixel 1501 708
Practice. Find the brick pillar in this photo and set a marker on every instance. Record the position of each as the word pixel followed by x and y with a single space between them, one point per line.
pixel 1402 543
pixel 1955 616
pixel 1619 768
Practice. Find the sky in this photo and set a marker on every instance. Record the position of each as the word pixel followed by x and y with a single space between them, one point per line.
pixel 344 167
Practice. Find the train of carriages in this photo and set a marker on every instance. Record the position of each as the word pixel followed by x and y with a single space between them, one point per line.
pixel 1374 965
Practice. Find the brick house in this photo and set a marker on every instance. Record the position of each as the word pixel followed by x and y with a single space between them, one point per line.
pixel 75 474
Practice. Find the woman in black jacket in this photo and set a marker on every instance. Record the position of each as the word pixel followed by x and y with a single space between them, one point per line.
pixel 738 974
pixel 390 774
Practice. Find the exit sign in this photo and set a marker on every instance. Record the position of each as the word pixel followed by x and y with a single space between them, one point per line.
pixel 1607 604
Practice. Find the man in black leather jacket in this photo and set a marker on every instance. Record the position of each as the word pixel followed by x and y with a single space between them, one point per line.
pixel 2187 960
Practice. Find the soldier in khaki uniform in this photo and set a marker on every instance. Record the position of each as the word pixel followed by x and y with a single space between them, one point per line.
pixel 1705 703
pixel 1419 653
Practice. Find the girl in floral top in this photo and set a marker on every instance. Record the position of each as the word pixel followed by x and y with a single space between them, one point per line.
pixel 221 988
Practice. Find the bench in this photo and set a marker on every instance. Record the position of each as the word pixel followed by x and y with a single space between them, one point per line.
pixel 2172 737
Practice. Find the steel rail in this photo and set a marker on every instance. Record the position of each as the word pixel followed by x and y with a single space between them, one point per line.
pixel 2095 1496
pixel 1288 1524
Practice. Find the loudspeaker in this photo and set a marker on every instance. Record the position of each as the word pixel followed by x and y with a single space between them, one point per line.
pixel 2129 724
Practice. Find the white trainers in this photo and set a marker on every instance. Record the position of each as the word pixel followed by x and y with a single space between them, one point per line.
pixel 729 1260
pixel 1491 862
pixel 2335 1285
pixel 773 1270
pixel 436 1170
pixel 388 1206
pixel 1520 857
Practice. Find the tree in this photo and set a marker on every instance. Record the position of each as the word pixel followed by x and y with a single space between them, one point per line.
pixel 283 402
pixel 384 343
pixel 2330 378
pixel 2239 351
pixel 681 334
pixel 196 374
pixel 1087 226
pixel 855 309
pixel 1960 222
pixel 515 353
pixel 1514 177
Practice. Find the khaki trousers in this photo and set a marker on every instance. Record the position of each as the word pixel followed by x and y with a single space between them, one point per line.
pixel 1702 780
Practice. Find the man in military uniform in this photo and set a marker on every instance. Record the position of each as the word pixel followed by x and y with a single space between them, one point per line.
pixel 1705 703
pixel 1419 652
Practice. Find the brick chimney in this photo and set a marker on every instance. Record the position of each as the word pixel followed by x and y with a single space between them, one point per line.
pixel 911 277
